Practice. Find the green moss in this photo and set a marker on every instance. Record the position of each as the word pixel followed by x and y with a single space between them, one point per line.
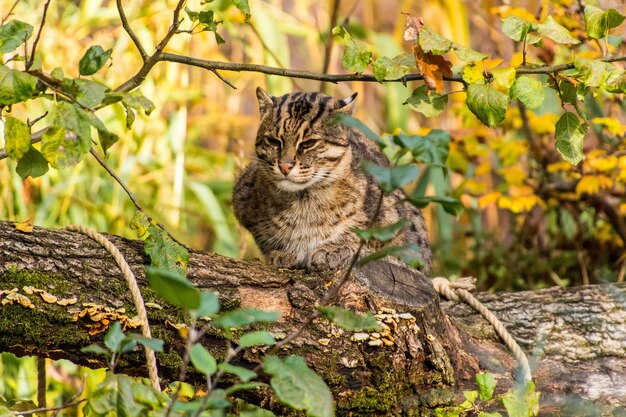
pixel 381 399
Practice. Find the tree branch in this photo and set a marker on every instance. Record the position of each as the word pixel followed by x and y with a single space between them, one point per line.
pixel 130 32
pixel 29 63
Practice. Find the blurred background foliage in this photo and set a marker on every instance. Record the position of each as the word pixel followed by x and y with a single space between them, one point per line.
pixel 531 220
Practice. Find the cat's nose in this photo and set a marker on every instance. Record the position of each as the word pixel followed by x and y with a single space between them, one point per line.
pixel 285 167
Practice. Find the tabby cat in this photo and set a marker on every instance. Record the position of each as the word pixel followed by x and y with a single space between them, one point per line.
pixel 305 190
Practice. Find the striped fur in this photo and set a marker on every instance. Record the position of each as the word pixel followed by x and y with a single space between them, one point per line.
pixel 305 190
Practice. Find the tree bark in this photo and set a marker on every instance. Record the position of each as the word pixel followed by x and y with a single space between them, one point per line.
pixel 576 337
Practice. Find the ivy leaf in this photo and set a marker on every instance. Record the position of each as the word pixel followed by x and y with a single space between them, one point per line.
pixel 257 338
pixel 430 41
pixel 409 254
pixel 390 178
pixel 392 69
pixel 487 103
pixel 450 205
pixel 244 7
pixel 32 164
pixel 382 234
pixel 16 137
pixel 15 86
pixel 486 385
pixel 517 28
pixel 529 91
pixel 551 29
pixel 93 60
pixel 244 374
pixel 430 149
pixel 13 34
pixel 166 253
pixel 242 317
pixel 570 134
pixel 356 57
pixel 430 105
pixel 599 22
pixel 296 385
pixel 202 359
pixel 349 320
pixel 173 287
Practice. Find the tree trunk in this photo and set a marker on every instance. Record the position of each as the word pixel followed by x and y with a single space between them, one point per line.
pixel 576 337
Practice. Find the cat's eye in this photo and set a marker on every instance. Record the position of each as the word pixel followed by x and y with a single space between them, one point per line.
pixel 306 145
pixel 273 141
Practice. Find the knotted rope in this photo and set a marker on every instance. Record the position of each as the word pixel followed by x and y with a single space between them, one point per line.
pixel 134 290
pixel 459 291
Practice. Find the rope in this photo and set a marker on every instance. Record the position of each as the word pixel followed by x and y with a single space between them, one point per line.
pixel 134 290
pixel 459 290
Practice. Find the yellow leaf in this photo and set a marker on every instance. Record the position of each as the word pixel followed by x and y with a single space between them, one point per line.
pixel 474 187
pixel 490 64
pixel 505 11
pixel 516 59
pixel 543 124
pixel 488 199
pixel 514 175
pixel 473 74
pixel 603 164
pixel 561 166
pixel 612 125
pixel 483 169
pixel 504 78
pixel 26 226
pixel 591 184
pixel 519 204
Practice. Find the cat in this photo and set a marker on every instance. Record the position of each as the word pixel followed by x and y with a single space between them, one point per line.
pixel 305 189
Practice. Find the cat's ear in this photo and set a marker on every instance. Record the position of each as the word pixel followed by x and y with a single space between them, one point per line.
pixel 265 100
pixel 346 105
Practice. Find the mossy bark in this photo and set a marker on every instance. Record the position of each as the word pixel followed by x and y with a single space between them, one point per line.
pixel 425 363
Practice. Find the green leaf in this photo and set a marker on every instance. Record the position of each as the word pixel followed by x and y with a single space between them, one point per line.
pixel 244 7
pixel 551 29
pixel 521 402
pixel 430 41
pixel 450 205
pixel 15 86
pixel 484 414
pixel 32 164
pixel 209 305
pixel 69 138
pixel 107 139
pixel 349 320
pixel 202 359
pixel 427 102
pixel 296 385
pixel 165 253
pixel 470 396
pixel 257 338
pixel 391 69
pixel 467 54
pixel 113 338
pixel 382 234
pixel 16 137
pixel 173 287
pixel 152 343
pixel 390 178
pixel 356 57
pixel 473 74
pixel 599 22
pixel 430 149
pixel 95 349
pixel 615 81
pixel 356 123
pixel 590 72
pixel 517 28
pixel 93 60
pixel 249 410
pixel 486 385
pixel 90 93
pixel 240 387
pixel 242 317
pixel 569 92
pixel 487 103
pixel 243 374
pixel 529 91
pixel 409 254
pixel 140 223
pixel 570 134
pixel 13 34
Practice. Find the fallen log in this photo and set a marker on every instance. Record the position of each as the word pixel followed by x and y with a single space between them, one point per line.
pixel 576 337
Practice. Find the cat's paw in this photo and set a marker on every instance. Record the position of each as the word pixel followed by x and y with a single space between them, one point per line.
pixel 333 259
pixel 282 260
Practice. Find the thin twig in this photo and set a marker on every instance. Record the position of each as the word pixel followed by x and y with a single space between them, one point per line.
pixel 10 12
pixel 130 32
pixel 218 75
pixel 139 207
pixel 329 41
pixel 31 59
pixel 42 410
